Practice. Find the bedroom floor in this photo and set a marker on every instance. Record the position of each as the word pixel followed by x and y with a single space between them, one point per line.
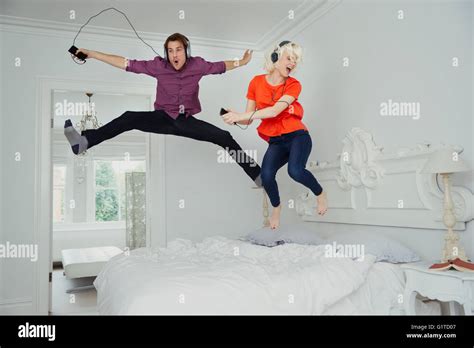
pixel 78 303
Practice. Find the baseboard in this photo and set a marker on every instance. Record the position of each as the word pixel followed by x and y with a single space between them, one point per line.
pixel 17 306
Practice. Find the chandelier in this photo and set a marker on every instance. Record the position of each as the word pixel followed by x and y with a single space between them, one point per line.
pixel 88 121
pixel 89 118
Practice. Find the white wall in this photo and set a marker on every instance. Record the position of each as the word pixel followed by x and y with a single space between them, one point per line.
pixel 87 236
pixel 403 60
pixel 2 168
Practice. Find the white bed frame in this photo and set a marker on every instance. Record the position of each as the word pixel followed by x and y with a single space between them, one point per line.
pixel 367 186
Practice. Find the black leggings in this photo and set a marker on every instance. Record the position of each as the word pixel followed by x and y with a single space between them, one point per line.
pixel 160 122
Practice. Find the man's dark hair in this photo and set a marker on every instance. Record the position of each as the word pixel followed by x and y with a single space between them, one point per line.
pixel 177 37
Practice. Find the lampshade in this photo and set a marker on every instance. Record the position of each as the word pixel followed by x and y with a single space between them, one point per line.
pixel 445 161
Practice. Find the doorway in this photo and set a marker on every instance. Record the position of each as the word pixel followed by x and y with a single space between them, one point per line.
pixel 98 198
pixel 70 208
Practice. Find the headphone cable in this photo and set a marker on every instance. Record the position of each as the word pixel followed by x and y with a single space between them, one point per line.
pixel 113 8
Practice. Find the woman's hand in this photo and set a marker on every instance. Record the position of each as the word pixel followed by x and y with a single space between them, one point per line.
pixel 232 117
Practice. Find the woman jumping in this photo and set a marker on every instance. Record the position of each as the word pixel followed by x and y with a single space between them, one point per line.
pixel 272 98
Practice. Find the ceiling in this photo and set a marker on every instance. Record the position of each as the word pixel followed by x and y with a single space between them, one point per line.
pixel 241 21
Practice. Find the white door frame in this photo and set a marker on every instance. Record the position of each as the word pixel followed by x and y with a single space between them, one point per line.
pixel 155 176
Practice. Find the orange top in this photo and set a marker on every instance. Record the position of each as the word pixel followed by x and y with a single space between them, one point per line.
pixel 265 95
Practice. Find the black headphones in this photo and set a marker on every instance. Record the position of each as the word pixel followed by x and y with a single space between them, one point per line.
pixel 275 54
pixel 188 50
pixel 274 57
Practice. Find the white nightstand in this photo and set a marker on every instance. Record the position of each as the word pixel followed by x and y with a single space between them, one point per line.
pixel 445 286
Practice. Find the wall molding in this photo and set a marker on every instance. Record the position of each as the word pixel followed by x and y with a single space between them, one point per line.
pixel 287 29
pixel 15 301
pixel 16 306
pixel 305 14
pixel 41 27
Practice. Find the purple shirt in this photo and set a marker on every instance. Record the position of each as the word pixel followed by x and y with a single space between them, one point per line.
pixel 177 87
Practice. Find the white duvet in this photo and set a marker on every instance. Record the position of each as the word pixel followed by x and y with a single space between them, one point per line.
pixel 227 276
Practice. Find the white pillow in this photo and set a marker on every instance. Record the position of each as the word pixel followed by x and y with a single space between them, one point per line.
pixel 384 248
pixel 381 246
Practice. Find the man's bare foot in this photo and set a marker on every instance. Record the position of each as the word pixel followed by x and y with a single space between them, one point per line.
pixel 322 201
pixel 275 218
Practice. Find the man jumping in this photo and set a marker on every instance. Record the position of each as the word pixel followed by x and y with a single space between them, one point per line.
pixel 177 100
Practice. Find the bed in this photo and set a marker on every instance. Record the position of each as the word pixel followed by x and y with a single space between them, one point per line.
pixel 225 276
pixel 221 276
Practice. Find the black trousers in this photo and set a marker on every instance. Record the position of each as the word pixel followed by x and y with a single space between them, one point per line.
pixel 160 122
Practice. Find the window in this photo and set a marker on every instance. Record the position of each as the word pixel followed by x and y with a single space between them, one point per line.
pixel 59 180
pixel 110 188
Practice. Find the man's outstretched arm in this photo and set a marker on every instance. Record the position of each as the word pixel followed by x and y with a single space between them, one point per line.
pixel 232 64
pixel 116 61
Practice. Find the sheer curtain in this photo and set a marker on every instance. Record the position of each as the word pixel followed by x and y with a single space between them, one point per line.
pixel 135 209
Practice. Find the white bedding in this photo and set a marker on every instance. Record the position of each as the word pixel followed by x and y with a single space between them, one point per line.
pixel 227 276
pixel 381 294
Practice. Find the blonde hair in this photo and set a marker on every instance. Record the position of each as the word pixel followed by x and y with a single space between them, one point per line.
pixel 293 49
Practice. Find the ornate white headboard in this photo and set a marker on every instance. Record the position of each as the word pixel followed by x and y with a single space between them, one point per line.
pixel 367 186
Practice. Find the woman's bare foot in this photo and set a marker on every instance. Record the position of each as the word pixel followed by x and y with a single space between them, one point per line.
pixel 322 201
pixel 275 218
